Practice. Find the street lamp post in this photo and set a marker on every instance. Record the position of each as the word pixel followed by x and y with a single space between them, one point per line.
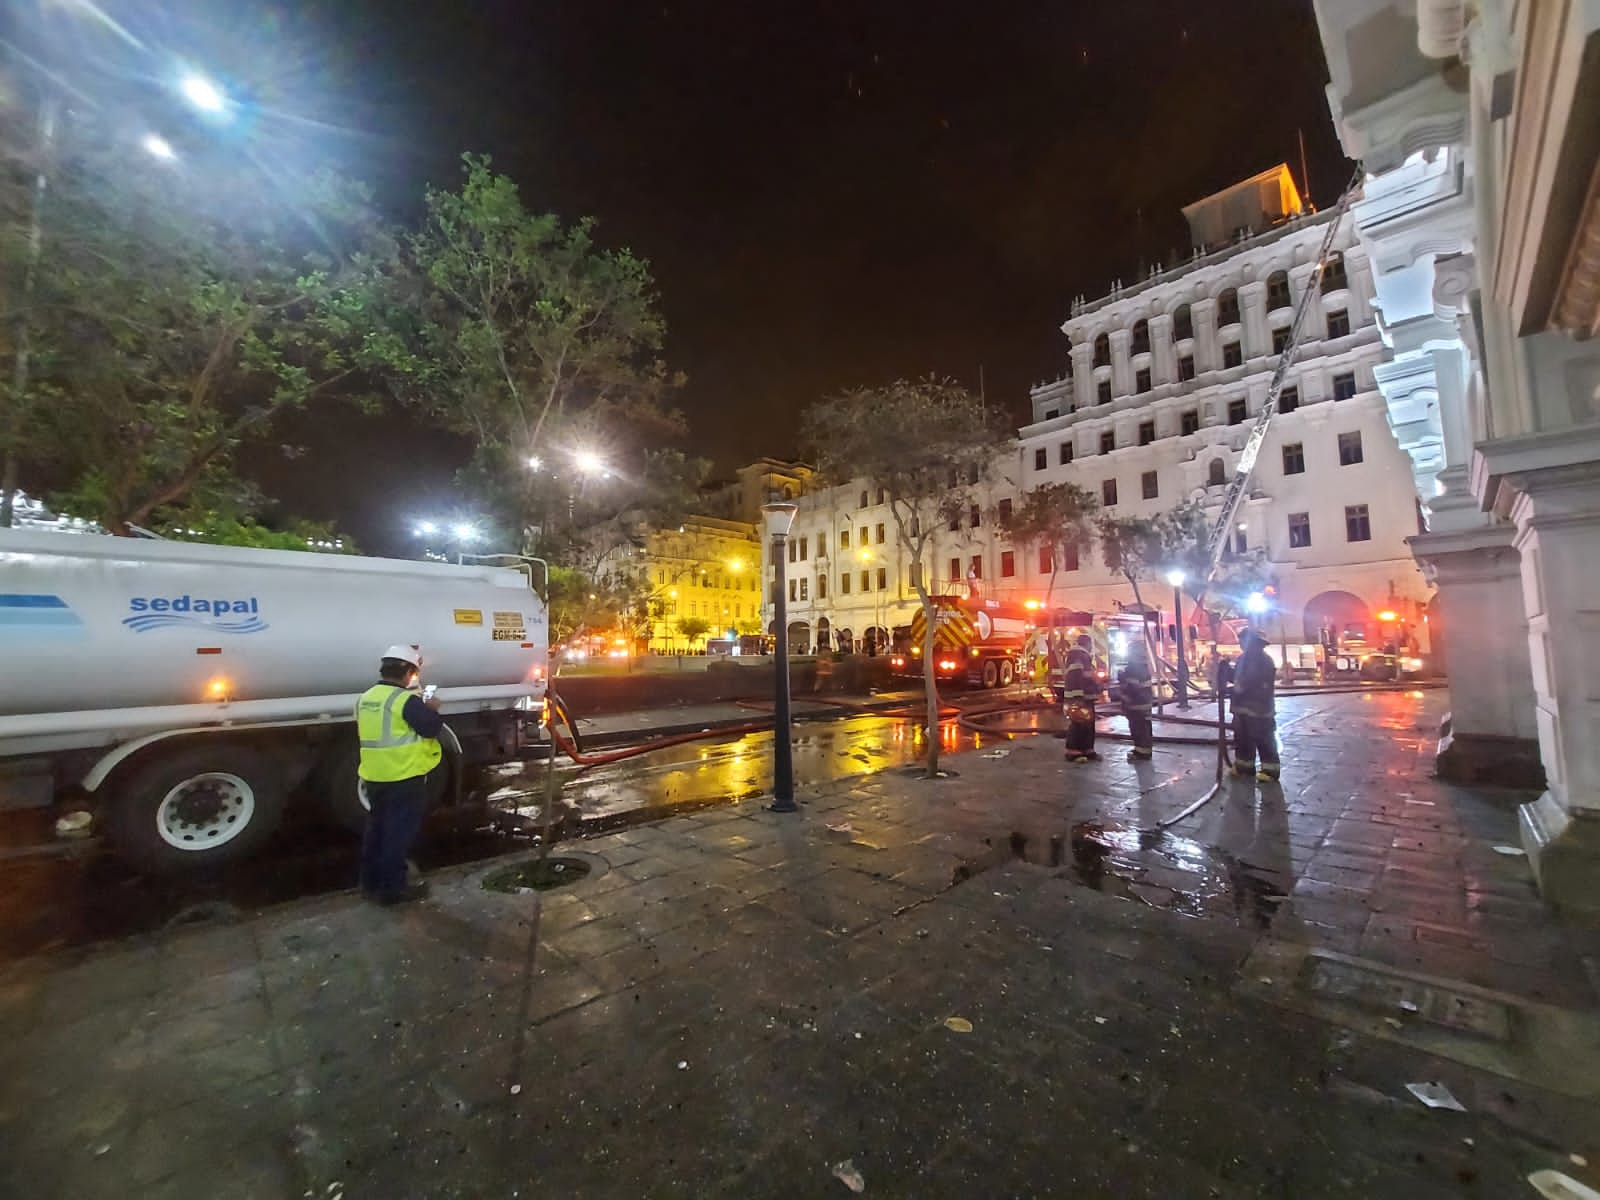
pixel 779 516
pixel 1175 578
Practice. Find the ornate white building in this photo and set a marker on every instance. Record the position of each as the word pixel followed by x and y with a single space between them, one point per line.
pixel 1166 376
pixel 1474 122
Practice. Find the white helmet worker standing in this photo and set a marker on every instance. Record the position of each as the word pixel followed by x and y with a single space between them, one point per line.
pixel 399 735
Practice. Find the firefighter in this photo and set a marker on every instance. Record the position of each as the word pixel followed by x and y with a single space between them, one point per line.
pixel 1081 690
pixel 1254 718
pixel 1137 698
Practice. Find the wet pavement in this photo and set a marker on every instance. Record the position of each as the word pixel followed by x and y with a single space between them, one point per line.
pixel 986 985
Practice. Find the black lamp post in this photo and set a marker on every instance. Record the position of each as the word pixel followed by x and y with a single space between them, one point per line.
pixel 779 516
pixel 1175 578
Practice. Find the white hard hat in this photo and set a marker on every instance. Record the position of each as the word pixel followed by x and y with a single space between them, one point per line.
pixel 407 654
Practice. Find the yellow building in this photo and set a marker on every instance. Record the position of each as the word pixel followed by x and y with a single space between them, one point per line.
pixel 706 570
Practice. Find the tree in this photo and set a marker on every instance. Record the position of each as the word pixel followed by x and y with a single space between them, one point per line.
pixel 928 444
pixel 231 529
pixel 176 315
pixel 1060 517
pixel 526 335
pixel 693 628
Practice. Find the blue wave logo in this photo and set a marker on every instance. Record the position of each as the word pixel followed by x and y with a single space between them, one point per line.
pixel 145 622
pixel 34 616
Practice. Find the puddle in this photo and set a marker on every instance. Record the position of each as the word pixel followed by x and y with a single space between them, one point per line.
pixel 1164 870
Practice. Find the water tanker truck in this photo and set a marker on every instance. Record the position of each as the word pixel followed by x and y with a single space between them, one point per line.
pixel 185 692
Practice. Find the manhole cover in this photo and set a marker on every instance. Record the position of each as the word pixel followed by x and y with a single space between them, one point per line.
pixel 537 875
pixel 1397 994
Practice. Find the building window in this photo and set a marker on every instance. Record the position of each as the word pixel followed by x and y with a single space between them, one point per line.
pixel 1299 530
pixel 1108 492
pixel 1228 308
pixel 1182 323
pixel 1102 351
pixel 1288 399
pixel 794 594
pixel 972 474
pixel 1241 544
pixel 916 574
pixel 1294 459
pixel 1004 513
pixel 794 550
pixel 1051 414
pixel 1280 340
pixel 1148 485
pixel 1344 386
pixel 866 581
pixel 1141 379
pixel 1349 449
pixel 1185 367
pixel 1064 453
pixel 1237 411
pixel 1333 276
pixel 1069 558
pixel 863 503
pixel 878 533
pixel 1141 338
pixel 805 545
pixel 883 579
pixel 844 539
pixel 974 517
pixel 1040 459
pixel 1189 422
pixel 955 477
pixel 822 587
pixel 1047 561
pixel 1103 392
pixel 955 569
pixel 1216 473
pixel 1108 441
pixel 844 583
pixel 1277 290
pixel 1357 525
pixel 1008 564
pixel 1338 323
pixel 955 522
pixel 881 495
pixel 976 569
pixel 1232 355
pixel 1147 432
pixel 805 587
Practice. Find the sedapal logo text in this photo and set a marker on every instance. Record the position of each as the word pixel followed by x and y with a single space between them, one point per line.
pixel 215 614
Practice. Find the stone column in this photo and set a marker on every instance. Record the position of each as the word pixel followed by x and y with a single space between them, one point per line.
pixel 1121 371
pixel 1489 735
pixel 1207 356
pixel 1083 374
pixel 1253 320
pixel 1163 358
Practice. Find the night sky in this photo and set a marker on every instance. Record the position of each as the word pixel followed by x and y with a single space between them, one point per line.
pixel 829 193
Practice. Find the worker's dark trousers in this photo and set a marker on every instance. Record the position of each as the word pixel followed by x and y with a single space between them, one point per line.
pixel 1080 727
pixel 1252 736
pixel 1142 731
pixel 392 827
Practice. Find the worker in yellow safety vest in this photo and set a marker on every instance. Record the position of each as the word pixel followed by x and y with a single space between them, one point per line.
pixel 399 732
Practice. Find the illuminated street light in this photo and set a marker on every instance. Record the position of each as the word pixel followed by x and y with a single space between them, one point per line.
pixel 1175 577
pixel 426 528
pixel 158 147
pixel 203 94
pixel 535 463
pixel 590 463
pixel 464 532
pixel 1255 604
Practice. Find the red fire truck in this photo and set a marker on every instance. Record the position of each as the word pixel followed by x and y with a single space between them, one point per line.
pixel 977 641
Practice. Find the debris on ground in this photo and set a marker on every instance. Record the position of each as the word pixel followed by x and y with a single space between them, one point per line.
pixel 846 1173
pixel 1557 1185
pixel 1435 1095
pixel 842 827
pixel 1001 753
pixel 74 825
pixel 1510 850
pixel 958 1025
pixel 516 1089
pixel 683 1064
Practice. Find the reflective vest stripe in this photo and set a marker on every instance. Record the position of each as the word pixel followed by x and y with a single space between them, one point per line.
pixel 387 737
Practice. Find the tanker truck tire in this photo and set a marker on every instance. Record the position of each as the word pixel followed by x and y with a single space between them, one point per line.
pixel 197 807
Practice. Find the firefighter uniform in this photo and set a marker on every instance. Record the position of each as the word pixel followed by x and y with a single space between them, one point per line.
pixel 1081 690
pixel 1254 714
pixel 1137 698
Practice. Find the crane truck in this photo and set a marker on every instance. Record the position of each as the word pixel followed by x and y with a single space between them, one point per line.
pixel 184 693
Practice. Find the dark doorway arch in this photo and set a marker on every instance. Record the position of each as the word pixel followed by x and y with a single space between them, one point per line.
pixel 1345 614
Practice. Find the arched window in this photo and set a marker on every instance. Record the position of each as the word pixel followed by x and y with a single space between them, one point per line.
pixel 1218 474
pixel 863 503
pixel 1182 324
pixel 1228 307
pixel 1102 351
pixel 1141 337
pixel 1277 290
pixel 1333 277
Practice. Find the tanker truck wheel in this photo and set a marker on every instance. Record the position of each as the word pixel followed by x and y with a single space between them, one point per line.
pixel 195 807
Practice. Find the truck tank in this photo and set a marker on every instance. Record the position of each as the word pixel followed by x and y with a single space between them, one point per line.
pixel 91 623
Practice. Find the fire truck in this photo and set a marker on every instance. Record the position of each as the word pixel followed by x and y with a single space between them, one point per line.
pixel 977 641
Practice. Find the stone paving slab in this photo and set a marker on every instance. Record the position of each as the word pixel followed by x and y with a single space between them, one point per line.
pixel 739 1001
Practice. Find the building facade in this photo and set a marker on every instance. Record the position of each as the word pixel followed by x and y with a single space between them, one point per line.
pixel 1475 125
pixel 1164 381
